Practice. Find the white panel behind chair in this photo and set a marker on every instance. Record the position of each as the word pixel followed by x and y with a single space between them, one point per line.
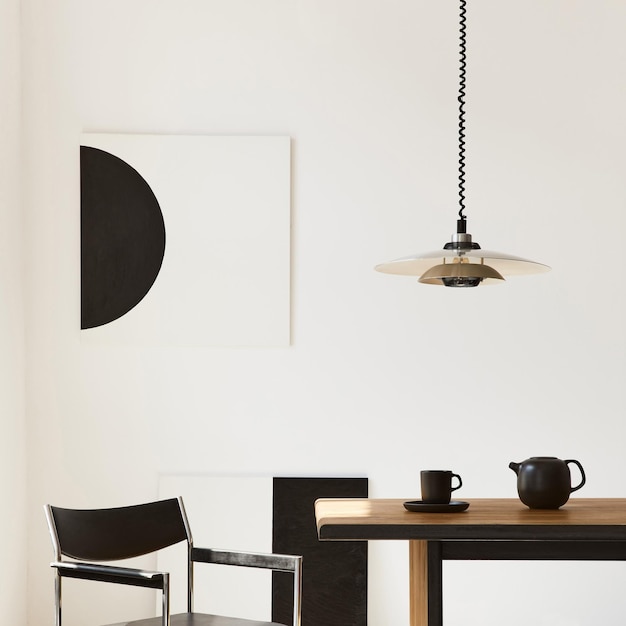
pixel 233 513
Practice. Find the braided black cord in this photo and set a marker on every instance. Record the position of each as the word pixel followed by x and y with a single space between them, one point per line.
pixel 463 57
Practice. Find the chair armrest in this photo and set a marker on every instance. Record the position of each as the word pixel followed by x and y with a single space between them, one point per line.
pixel 277 562
pixel 110 573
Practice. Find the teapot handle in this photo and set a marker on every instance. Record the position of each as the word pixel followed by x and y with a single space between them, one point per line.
pixel 582 473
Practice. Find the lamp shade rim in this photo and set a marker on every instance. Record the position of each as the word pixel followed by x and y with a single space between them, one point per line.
pixel 505 264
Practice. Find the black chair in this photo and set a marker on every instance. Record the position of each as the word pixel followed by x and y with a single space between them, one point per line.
pixel 126 532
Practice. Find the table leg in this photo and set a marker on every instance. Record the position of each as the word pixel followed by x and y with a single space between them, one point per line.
pixel 425 583
pixel 418 583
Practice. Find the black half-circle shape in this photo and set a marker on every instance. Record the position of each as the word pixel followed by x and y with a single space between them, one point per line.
pixel 122 237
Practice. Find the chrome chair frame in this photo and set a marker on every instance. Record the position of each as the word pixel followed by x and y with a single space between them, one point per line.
pixel 160 580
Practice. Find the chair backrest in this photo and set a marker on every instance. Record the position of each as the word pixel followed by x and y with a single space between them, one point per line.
pixel 119 533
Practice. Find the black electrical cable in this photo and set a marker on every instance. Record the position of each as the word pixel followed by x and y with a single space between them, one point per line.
pixel 462 66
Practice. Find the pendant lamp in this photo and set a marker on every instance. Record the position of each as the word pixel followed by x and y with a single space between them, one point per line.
pixel 462 262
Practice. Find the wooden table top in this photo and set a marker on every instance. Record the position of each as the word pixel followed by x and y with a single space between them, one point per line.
pixel 485 519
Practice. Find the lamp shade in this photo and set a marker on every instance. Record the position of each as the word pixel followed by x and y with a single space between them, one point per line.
pixel 504 264
pixel 460 273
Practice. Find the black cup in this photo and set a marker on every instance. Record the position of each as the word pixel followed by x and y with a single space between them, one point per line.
pixel 437 486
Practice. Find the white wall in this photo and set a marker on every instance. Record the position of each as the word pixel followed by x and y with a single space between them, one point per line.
pixel 12 439
pixel 384 376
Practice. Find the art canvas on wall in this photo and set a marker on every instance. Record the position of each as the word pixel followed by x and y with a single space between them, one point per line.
pixel 185 240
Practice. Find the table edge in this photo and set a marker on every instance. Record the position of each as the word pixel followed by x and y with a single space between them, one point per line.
pixel 330 529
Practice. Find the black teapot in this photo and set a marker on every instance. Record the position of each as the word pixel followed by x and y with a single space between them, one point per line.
pixel 545 482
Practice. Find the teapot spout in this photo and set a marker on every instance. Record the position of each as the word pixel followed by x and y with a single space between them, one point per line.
pixel 514 466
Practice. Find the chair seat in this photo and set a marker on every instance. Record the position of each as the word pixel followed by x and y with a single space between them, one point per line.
pixel 197 619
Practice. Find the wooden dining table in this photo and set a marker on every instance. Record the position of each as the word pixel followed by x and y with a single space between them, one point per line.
pixel 585 529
